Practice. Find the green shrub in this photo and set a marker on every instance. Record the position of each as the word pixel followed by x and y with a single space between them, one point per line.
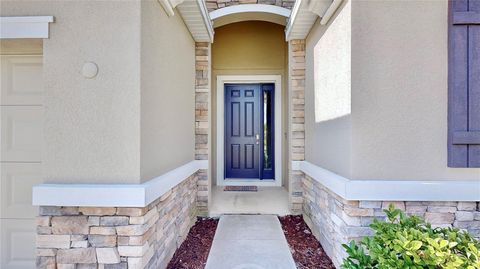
pixel 409 242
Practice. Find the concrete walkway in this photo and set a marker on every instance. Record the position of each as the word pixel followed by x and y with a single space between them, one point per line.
pixel 268 200
pixel 249 242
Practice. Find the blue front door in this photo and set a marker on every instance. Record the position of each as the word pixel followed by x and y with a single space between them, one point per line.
pixel 249 131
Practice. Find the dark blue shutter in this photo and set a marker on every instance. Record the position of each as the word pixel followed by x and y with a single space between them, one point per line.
pixel 464 84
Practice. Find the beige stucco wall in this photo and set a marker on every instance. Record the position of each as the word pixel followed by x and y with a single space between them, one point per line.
pixel 328 93
pixel 398 96
pixel 95 129
pixel 91 125
pixel 248 48
pixel 167 92
pixel 399 80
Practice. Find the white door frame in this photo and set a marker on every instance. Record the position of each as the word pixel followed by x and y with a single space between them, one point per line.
pixel 221 81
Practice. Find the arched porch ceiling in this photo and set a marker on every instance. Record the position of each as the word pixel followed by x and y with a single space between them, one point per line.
pixel 250 12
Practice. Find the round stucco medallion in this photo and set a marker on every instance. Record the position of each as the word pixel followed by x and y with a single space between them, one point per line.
pixel 89 70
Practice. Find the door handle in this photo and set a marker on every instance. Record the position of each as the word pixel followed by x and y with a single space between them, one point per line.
pixel 257 137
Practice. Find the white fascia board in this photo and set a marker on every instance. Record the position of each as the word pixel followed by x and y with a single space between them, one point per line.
pixel 291 20
pixel 195 15
pixel 167 6
pixel 113 195
pixel 392 190
pixel 304 15
pixel 25 27
pixel 330 11
pixel 301 21
pixel 206 18
pixel 235 9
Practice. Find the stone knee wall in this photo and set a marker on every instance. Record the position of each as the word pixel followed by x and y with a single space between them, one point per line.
pixel 202 193
pixel 117 237
pixel 335 220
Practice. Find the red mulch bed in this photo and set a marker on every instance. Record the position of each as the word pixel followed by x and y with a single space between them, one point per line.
pixel 306 250
pixel 193 252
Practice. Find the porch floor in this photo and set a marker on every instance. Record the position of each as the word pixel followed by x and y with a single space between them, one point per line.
pixel 268 200
pixel 249 242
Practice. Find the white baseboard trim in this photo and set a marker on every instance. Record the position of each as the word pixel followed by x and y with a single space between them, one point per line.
pixel 113 195
pixel 392 190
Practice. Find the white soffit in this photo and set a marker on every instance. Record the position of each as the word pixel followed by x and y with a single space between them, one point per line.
pixel 25 27
pixel 195 15
pixel 392 190
pixel 304 15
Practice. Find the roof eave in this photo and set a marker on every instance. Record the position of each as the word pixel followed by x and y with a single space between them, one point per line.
pixel 195 15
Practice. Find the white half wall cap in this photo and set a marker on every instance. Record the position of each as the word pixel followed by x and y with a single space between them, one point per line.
pixel 25 27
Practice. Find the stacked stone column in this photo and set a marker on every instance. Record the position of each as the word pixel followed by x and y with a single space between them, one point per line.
pixel 297 120
pixel 202 97
pixel 336 221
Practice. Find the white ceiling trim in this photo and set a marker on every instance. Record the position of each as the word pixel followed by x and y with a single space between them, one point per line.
pixel 25 27
pixel 248 8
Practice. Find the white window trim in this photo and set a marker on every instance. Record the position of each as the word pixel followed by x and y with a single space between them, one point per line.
pixel 221 81
pixel 25 27
pixel 392 190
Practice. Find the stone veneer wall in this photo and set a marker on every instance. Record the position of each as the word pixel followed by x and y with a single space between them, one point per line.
pixel 335 221
pixel 117 237
pixel 216 4
pixel 202 97
pixel 296 78
pixel 202 192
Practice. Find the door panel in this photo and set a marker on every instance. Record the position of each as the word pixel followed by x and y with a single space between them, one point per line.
pixel 22 133
pixel 235 156
pixel 242 132
pixel 21 80
pixel 249 156
pixel 235 119
pixel 17 180
pixel 249 119
pixel 17 243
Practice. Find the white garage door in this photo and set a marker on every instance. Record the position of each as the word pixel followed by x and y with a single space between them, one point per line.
pixel 21 140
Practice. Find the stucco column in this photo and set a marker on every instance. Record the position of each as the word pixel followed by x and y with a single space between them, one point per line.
pixel 296 82
pixel 202 119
